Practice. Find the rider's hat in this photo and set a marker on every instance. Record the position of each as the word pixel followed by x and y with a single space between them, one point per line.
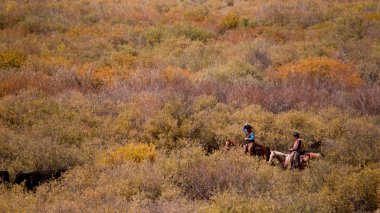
pixel 248 126
pixel 296 134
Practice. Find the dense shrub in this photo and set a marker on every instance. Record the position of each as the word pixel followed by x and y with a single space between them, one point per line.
pixel 163 128
pixel 322 69
pixel 230 21
pixel 154 36
pixel 359 140
pixel 196 13
pixel 26 152
pixel 11 59
pixel 232 71
pixel 260 58
pixel 198 56
pixel 133 152
pixel 303 13
pixel 193 33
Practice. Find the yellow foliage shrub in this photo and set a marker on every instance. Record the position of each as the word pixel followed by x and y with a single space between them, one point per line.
pixel 11 59
pixel 130 152
pixel 230 21
pixel 324 68
pixel 373 16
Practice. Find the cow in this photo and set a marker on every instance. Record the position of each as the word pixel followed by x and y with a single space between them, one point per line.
pixel 35 178
pixel 4 176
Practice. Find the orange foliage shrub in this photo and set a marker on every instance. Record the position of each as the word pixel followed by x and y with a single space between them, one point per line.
pixel 12 84
pixel 173 73
pixel 104 75
pixel 96 77
pixel 322 68
pixel 18 82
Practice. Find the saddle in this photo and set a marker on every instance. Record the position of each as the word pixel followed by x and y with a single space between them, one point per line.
pixel 258 150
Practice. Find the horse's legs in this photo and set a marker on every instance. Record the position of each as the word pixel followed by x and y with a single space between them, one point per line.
pixel 267 153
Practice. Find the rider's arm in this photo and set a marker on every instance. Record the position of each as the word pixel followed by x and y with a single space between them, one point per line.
pixel 245 130
pixel 295 146
pixel 251 137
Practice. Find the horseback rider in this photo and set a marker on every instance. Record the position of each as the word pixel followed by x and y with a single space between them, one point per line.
pixel 296 150
pixel 249 136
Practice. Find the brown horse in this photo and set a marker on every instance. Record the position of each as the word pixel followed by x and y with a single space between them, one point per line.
pixel 253 148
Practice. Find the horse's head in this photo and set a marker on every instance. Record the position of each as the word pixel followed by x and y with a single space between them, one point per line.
pixel 310 156
pixel 314 155
pixel 229 143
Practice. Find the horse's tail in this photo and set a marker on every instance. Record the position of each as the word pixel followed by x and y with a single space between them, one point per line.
pixel 267 154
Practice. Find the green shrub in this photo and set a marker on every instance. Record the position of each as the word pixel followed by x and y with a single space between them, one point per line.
pixel 231 201
pixel 359 140
pixel 10 14
pixel 350 27
pixel 90 19
pixel 154 36
pixel 200 176
pixel 232 72
pixel 40 25
pixel 29 152
pixel 354 192
pixel 193 33
pixel 199 13
pixel 163 129
pixel 198 56
pixel 205 103
pixel 208 124
pixel 128 123
pixel 26 111
pixel 302 13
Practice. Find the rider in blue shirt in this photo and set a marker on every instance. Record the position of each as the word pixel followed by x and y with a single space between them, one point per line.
pixel 249 136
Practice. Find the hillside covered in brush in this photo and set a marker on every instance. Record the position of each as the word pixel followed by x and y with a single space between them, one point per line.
pixel 135 100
